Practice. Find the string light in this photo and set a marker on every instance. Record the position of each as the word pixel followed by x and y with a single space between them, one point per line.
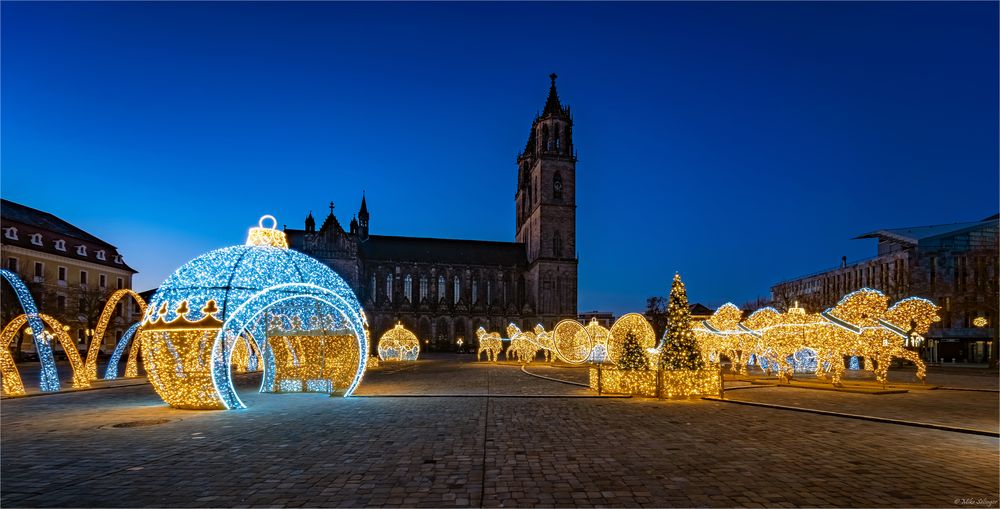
pixel 195 319
pixel 398 344
pixel 630 323
pixel 111 372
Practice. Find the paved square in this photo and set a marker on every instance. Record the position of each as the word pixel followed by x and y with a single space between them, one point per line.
pixel 490 435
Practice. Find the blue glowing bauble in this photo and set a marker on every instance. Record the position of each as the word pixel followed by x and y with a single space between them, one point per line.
pixel 247 283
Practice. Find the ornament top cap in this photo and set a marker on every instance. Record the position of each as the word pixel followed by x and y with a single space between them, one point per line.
pixel 261 235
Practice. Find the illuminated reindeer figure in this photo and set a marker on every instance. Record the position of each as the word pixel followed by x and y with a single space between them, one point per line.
pixel 489 343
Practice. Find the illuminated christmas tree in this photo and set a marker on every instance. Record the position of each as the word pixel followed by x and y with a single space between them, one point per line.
pixel 633 357
pixel 680 352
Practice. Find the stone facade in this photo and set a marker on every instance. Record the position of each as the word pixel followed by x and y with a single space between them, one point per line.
pixel 956 266
pixel 69 272
pixel 445 289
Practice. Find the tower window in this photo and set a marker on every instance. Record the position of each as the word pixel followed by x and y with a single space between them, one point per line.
pixel 557 245
pixel 475 288
pixel 374 289
pixel 557 187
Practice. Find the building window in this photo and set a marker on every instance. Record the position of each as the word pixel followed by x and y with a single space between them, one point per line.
pixel 118 259
pixel 489 292
pixel 118 309
pixel 80 336
pixel 62 274
pixel 100 255
pixel 83 277
pixel 36 239
pixel 10 233
pixel 440 294
pixel 388 287
pixel 374 290
pixel 408 287
pixel 121 283
pixel 61 302
pixel 423 287
pixel 12 264
pixel 456 289
pixel 39 269
pixel 81 250
pixel 557 245
pixel 103 281
pixel 557 186
pixel 475 291
pixel 60 245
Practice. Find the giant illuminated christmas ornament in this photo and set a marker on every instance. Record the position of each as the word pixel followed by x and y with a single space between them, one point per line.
pixel 860 325
pixel 398 344
pixel 208 306
pixel 630 323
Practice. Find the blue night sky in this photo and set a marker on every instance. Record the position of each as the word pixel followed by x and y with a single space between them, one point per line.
pixel 738 143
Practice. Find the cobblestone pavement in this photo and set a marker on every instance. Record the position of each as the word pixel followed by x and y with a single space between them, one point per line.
pixel 476 449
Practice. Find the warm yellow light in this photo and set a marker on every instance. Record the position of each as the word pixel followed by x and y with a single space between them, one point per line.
pixel 267 235
pixel 979 321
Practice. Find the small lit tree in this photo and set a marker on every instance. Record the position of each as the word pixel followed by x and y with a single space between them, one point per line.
pixel 680 352
pixel 633 358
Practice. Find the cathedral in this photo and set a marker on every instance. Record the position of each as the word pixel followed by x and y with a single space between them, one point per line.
pixel 444 289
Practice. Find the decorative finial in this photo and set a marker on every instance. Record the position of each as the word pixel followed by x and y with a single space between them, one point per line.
pixel 553 77
pixel 331 207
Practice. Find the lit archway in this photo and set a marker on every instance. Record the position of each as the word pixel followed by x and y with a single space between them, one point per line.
pixel 16 386
pixel 48 378
pixel 102 326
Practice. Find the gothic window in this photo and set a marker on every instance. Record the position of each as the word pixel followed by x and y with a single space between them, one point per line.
pixel 440 288
pixel 489 292
pixel 556 138
pixel 388 287
pixel 545 138
pixel 408 288
pixel 475 291
pixel 373 292
pixel 557 245
pixel 557 186
pixel 423 287
pixel 456 289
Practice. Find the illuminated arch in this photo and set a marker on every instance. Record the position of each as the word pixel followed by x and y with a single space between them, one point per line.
pixel 79 374
pixel 48 378
pixel 102 326
pixel 111 372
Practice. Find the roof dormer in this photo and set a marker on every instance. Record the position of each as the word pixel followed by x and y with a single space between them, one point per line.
pixel 100 255
pixel 36 239
pixel 118 259
pixel 81 250
pixel 60 244
pixel 10 233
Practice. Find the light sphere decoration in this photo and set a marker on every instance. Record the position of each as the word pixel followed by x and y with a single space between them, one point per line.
pixel 980 321
pixel 208 306
pixel 398 344
pixel 630 323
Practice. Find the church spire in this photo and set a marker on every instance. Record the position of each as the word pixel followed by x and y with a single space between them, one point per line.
pixel 363 218
pixel 552 106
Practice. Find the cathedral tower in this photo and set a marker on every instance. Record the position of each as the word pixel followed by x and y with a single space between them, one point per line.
pixel 545 215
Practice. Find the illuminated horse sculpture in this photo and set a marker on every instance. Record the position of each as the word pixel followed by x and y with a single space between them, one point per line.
pixel 544 340
pixel 859 325
pixel 523 345
pixel 874 332
pixel 489 343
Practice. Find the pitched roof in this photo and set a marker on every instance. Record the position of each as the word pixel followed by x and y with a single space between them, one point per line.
pixel 431 250
pixel 30 221
pixel 915 234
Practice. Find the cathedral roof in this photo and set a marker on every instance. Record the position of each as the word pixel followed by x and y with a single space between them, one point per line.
pixel 431 250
